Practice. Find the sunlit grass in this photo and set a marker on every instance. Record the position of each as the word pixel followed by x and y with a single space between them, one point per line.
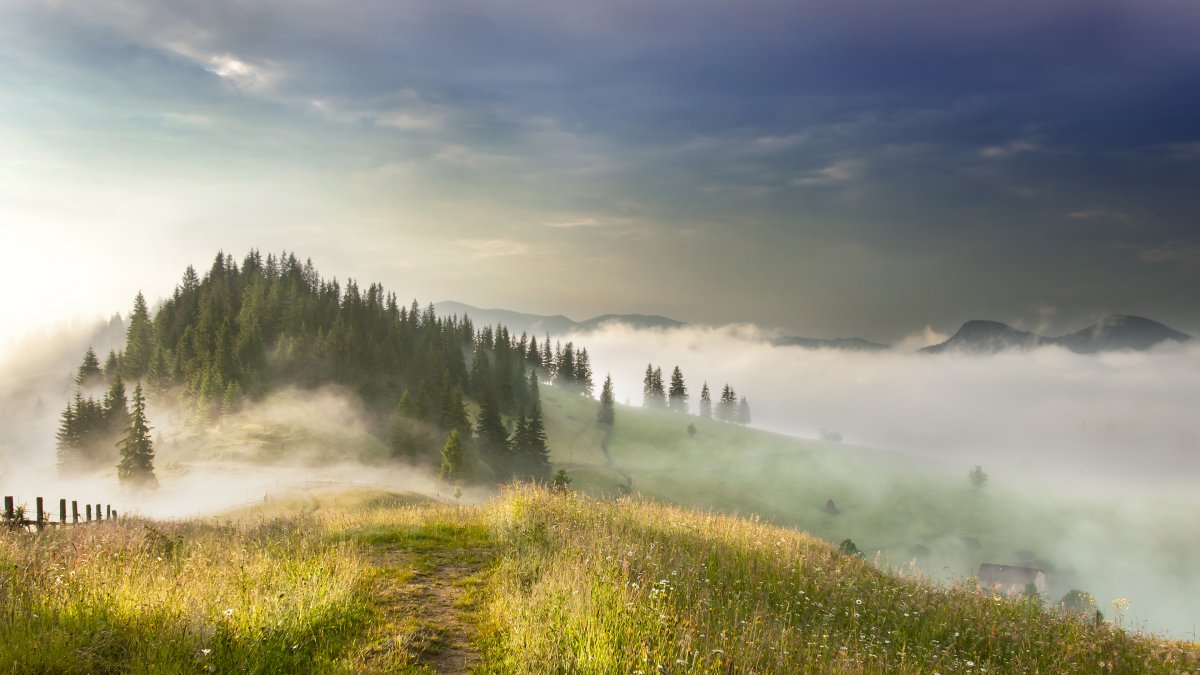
pixel 555 582
pixel 628 586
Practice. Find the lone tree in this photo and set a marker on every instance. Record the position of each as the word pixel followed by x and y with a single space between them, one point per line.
pixel 706 409
pixel 452 457
pixel 678 396
pixel 606 414
pixel 978 477
pixel 136 467
pixel 691 431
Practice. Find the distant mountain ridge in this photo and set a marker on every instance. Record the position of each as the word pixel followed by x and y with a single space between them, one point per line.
pixel 856 344
pixel 557 324
pixel 1115 332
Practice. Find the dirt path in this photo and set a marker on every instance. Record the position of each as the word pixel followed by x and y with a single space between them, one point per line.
pixel 426 599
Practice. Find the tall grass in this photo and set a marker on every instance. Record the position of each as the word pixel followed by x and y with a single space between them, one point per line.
pixel 140 596
pixel 572 585
pixel 629 586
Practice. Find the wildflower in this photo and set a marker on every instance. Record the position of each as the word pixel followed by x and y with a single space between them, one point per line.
pixel 228 612
pixel 858 602
pixel 206 652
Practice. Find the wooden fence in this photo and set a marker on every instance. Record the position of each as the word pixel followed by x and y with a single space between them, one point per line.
pixel 17 517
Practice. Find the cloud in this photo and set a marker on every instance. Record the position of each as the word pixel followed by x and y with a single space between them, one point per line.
pixel 495 248
pixel 838 172
pixel 1010 149
pixel 1100 214
pixel 243 75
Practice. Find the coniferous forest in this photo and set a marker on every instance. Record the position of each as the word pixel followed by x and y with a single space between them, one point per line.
pixel 240 331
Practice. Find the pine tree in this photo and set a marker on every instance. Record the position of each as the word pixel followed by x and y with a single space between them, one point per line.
pixel 537 453
pixel 606 413
pixel 648 387
pixel 89 371
pixel 727 406
pixel 136 467
pixel 492 436
pixel 453 465
pixel 112 364
pixel 583 373
pixel 139 340
pixel 68 448
pixel 656 383
pixel 743 412
pixel 706 407
pixel 678 392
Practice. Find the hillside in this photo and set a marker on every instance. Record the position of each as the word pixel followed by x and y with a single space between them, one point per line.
pixel 531 582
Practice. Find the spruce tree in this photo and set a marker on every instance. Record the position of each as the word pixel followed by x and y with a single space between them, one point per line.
pixel 727 406
pixel 678 392
pixel 706 406
pixel 660 394
pixel 492 436
pixel 583 373
pixel 743 412
pixel 136 467
pixel 453 465
pixel 139 340
pixel 648 387
pixel 67 448
pixel 89 371
pixel 537 453
pixel 606 413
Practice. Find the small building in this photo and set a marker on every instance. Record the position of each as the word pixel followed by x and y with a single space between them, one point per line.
pixel 831 508
pixel 1005 579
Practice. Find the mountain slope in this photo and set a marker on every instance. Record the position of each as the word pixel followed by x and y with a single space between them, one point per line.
pixel 986 337
pixel 1117 332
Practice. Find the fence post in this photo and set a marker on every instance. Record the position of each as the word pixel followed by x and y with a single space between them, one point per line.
pixel 8 508
pixel 74 511
pixel 62 511
pixel 41 516
pixel 89 514
pixel 114 514
pixel 99 516
pixel 108 511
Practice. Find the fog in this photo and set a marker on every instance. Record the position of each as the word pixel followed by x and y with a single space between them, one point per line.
pixel 291 440
pixel 1093 459
pixel 1045 412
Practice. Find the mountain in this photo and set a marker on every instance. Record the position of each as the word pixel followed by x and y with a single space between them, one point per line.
pixel 986 337
pixel 1114 332
pixel 849 344
pixel 537 324
pixel 1117 332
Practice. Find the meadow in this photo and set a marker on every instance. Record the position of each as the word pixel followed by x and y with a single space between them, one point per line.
pixel 532 581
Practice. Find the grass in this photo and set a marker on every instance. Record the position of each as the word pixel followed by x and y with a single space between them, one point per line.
pixel 532 581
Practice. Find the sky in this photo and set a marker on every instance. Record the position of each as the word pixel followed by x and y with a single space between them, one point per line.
pixel 859 167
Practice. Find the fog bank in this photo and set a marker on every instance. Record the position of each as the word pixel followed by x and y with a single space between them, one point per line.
pixel 1125 415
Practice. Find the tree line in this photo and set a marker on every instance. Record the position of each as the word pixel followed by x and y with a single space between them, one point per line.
pixel 655 393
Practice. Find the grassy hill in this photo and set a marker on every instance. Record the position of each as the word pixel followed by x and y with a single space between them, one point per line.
pixel 899 510
pixel 532 581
